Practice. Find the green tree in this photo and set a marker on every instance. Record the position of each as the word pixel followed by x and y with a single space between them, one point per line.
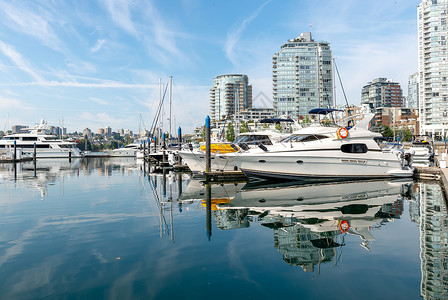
pixel 387 131
pixel 244 127
pixel 202 133
pixel 406 134
pixel 230 132
pixel 306 120
pixel 278 127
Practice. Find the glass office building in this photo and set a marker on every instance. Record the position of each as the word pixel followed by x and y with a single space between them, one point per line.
pixel 302 77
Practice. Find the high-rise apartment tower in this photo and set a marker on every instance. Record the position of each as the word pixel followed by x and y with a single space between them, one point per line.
pixel 302 76
pixel 230 94
pixel 433 67
pixel 382 92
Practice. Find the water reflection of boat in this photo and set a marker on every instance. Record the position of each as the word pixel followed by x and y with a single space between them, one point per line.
pixel 38 174
pixel 311 221
pixel 196 190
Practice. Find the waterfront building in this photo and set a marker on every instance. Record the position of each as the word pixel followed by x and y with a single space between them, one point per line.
pixel 382 92
pixel 18 128
pixel 398 117
pixel 128 132
pixel 108 131
pixel 413 85
pixel 302 76
pixel 87 132
pixel 101 131
pixel 121 132
pixel 256 114
pixel 229 95
pixel 433 67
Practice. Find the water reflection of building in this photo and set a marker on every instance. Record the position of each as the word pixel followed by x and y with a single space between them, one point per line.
pixel 231 219
pixel 302 247
pixel 433 242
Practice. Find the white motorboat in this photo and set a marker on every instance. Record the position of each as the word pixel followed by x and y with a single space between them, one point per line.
pixel 47 145
pixel 422 152
pixel 195 158
pixel 129 150
pixel 325 153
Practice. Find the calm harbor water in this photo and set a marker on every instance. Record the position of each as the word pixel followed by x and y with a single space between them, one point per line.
pixel 102 228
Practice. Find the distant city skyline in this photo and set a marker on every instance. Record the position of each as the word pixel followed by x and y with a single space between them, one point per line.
pixel 98 63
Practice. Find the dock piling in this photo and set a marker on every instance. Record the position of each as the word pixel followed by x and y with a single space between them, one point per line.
pixel 207 145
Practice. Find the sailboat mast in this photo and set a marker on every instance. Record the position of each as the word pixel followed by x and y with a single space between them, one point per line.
pixel 171 93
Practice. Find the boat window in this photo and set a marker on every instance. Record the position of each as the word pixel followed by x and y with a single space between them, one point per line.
pixel 354 148
pixel 253 139
pixel 304 138
pixel 29 138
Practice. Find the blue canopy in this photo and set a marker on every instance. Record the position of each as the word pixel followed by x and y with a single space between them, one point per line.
pixel 275 120
pixel 322 111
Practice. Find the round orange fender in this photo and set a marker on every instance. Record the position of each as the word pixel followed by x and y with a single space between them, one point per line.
pixel 343 132
pixel 344 226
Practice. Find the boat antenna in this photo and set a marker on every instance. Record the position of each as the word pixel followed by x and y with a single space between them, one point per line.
pixel 342 86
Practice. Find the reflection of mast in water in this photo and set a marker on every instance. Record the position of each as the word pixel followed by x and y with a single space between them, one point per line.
pixel 163 226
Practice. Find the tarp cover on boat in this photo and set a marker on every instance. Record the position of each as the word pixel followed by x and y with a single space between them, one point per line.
pixel 322 111
pixel 275 120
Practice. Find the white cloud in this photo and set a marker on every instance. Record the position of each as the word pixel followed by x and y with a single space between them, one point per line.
pixel 18 60
pixel 99 101
pixel 234 36
pixel 75 84
pixel 9 104
pixel 120 13
pixel 98 45
pixel 34 23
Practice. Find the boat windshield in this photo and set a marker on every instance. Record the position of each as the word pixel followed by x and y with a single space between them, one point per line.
pixel 303 138
pixel 253 139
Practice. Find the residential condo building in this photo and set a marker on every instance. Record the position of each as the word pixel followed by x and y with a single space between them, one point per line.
pixel 302 77
pixel 382 92
pixel 230 95
pixel 413 90
pixel 433 67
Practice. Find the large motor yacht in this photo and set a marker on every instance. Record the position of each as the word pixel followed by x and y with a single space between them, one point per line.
pixel 195 158
pixel 325 153
pixel 47 145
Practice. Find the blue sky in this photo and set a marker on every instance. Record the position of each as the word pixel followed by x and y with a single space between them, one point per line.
pixel 98 63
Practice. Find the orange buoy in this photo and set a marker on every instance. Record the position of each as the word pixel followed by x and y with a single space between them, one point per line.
pixel 343 132
pixel 344 226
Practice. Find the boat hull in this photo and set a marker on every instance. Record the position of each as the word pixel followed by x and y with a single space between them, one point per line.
pixel 321 165
pixel 195 160
pixel 54 153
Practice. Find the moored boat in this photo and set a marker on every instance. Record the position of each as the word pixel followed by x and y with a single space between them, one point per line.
pixel 47 145
pixel 325 153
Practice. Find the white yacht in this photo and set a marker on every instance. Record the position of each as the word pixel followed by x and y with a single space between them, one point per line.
pixel 422 153
pixel 195 158
pixel 325 153
pixel 129 150
pixel 47 145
